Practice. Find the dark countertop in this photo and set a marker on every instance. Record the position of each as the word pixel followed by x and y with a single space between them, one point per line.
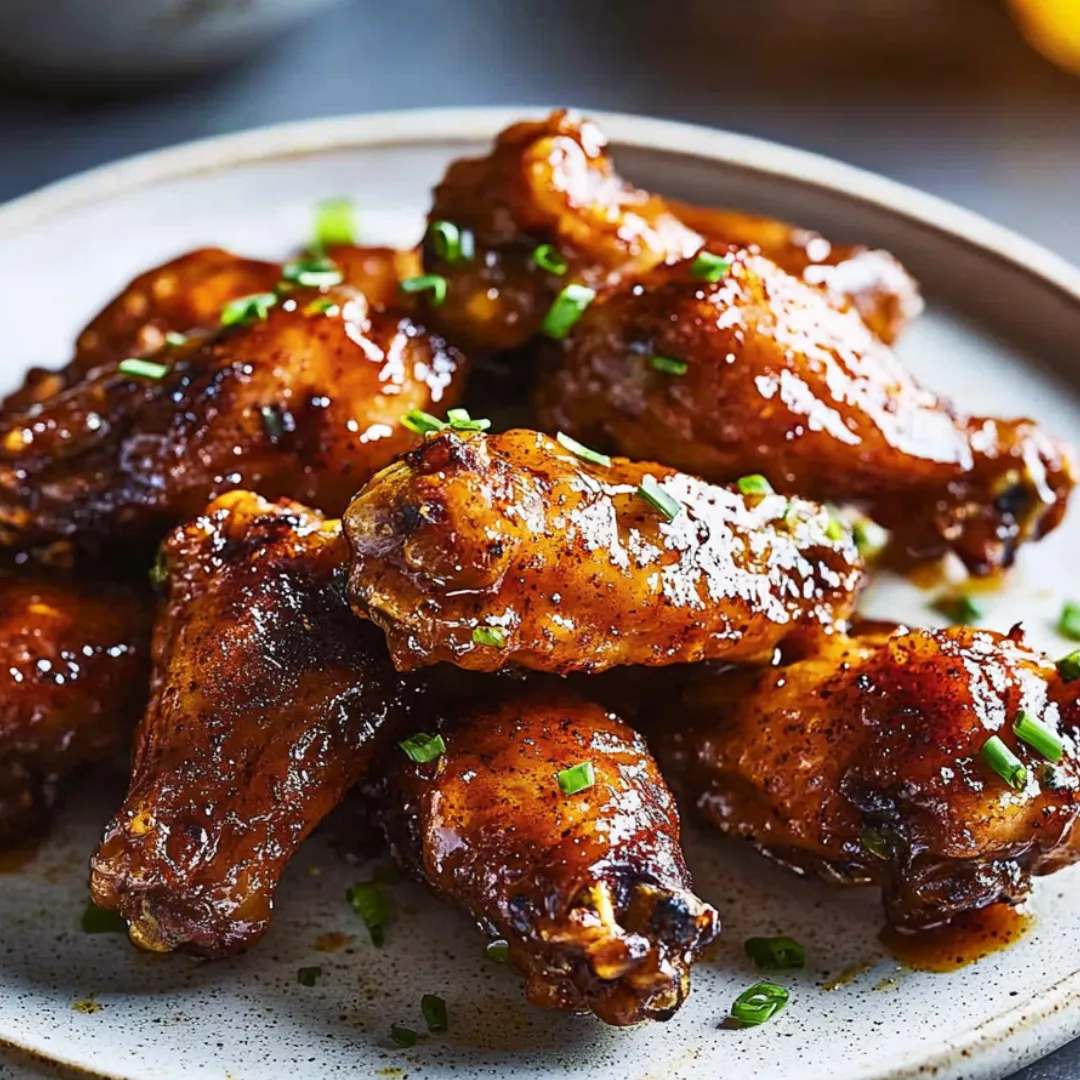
pixel 937 93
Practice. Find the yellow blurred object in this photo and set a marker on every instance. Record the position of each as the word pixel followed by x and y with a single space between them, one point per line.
pixel 1052 27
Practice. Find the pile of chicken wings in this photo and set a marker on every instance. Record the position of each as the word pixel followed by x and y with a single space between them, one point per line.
pixel 357 583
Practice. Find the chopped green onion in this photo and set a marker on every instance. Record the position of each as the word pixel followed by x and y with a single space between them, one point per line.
pixel 142 369
pixel 754 485
pixel 248 309
pixel 159 574
pixel 273 421
pixel 835 530
pixel 1069 667
pixel 368 900
pixel 567 308
pixel 581 451
pixel 775 953
pixel 403 1036
pixel 1038 736
pixel 451 244
pixel 315 273
pixel 547 258
pixel 308 976
pixel 577 778
pixel 870 538
pixel 423 748
pixel 335 222
pixel 1004 762
pixel 760 1002
pixel 322 305
pixel 710 267
pixel 433 1009
pixel 881 843
pixel 651 491
pixel 422 423
pixel 460 420
pixel 498 952
pixel 495 636
pixel 432 283
pixel 668 366
pixel 96 920
pixel 961 610
pixel 1069 621
pixel 174 339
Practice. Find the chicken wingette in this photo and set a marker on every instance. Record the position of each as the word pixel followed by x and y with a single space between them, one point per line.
pixel 941 765
pixel 546 208
pixel 74 677
pixel 513 550
pixel 547 820
pixel 756 372
pixel 269 699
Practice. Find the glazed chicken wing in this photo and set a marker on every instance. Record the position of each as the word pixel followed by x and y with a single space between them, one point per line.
pixel 74 661
pixel 269 699
pixel 303 399
pixel 550 186
pixel 867 762
pixel 759 373
pixel 587 887
pixel 488 551
pixel 870 280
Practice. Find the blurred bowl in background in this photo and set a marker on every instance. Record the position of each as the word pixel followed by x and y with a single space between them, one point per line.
pixel 110 42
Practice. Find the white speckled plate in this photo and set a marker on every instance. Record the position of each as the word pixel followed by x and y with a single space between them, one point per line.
pixel 1001 333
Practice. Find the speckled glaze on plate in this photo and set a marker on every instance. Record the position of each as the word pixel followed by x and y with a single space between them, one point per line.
pixel 1000 333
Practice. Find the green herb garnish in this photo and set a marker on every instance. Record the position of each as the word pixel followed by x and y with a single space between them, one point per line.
pixel 335 222
pixel 459 420
pixel 422 423
pixel 651 491
pixel 870 538
pixel 403 1036
pixel 581 451
pixel 173 338
pixel 432 283
pixel 710 267
pixel 760 1002
pixel 368 900
pixel 1069 621
pixel 495 636
pixel 497 952
pixel 775 953
pixel 142 369
pixel 248 309
pixel 1038 736
pixel 961 610
pixel 433 1009
pixel 451 244
pixel 567 308
pixel 317 272
pixel 668 366
pixel 308 976
pixel 423 748
pixel 97 920
pixel 1069 667
pixel 547 258
pixel 1004 762
pixel 754 485
pixel 577 778
pixel 273 421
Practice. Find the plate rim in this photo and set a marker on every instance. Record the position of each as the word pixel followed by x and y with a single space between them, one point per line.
pixel 1022 1033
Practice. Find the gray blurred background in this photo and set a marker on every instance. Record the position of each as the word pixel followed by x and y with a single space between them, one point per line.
pixel 942 94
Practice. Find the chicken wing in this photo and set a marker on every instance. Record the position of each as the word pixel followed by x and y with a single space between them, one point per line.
pixel 759 373
pixel 587 886
pixel 74 661
pixel 870 280
pixel 488 551
pixel 269 698
pixel 302 397
pixel 868 762
pixel 551 186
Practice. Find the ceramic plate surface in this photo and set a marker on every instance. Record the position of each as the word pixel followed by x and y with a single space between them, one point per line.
pixel 1001 334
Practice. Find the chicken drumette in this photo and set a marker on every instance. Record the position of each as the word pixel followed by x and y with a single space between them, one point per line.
pixel 511 550
pixel 546 208
pixel 759 373
pixel 867 761
pixel 547 820
pixel 74 659
pixel 269 698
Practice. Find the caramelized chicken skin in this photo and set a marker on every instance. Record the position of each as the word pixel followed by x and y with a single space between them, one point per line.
pixel 552 182
pixel 589 890
pixel 489 551
pixel 74 661
pixel 305 403
pixel 779 380
pixel 269 699
pixel 862 762
pixel 872 281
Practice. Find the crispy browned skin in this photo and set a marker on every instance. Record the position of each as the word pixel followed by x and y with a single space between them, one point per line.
pixel 872 281
pixel 302 404
pixel 862 763
pixel 74 661
pixel 545 182
pixel 184 294
pixel 575 568
pixel 269 698
pixel 781 381
pixel 590 891
pixel 552 182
